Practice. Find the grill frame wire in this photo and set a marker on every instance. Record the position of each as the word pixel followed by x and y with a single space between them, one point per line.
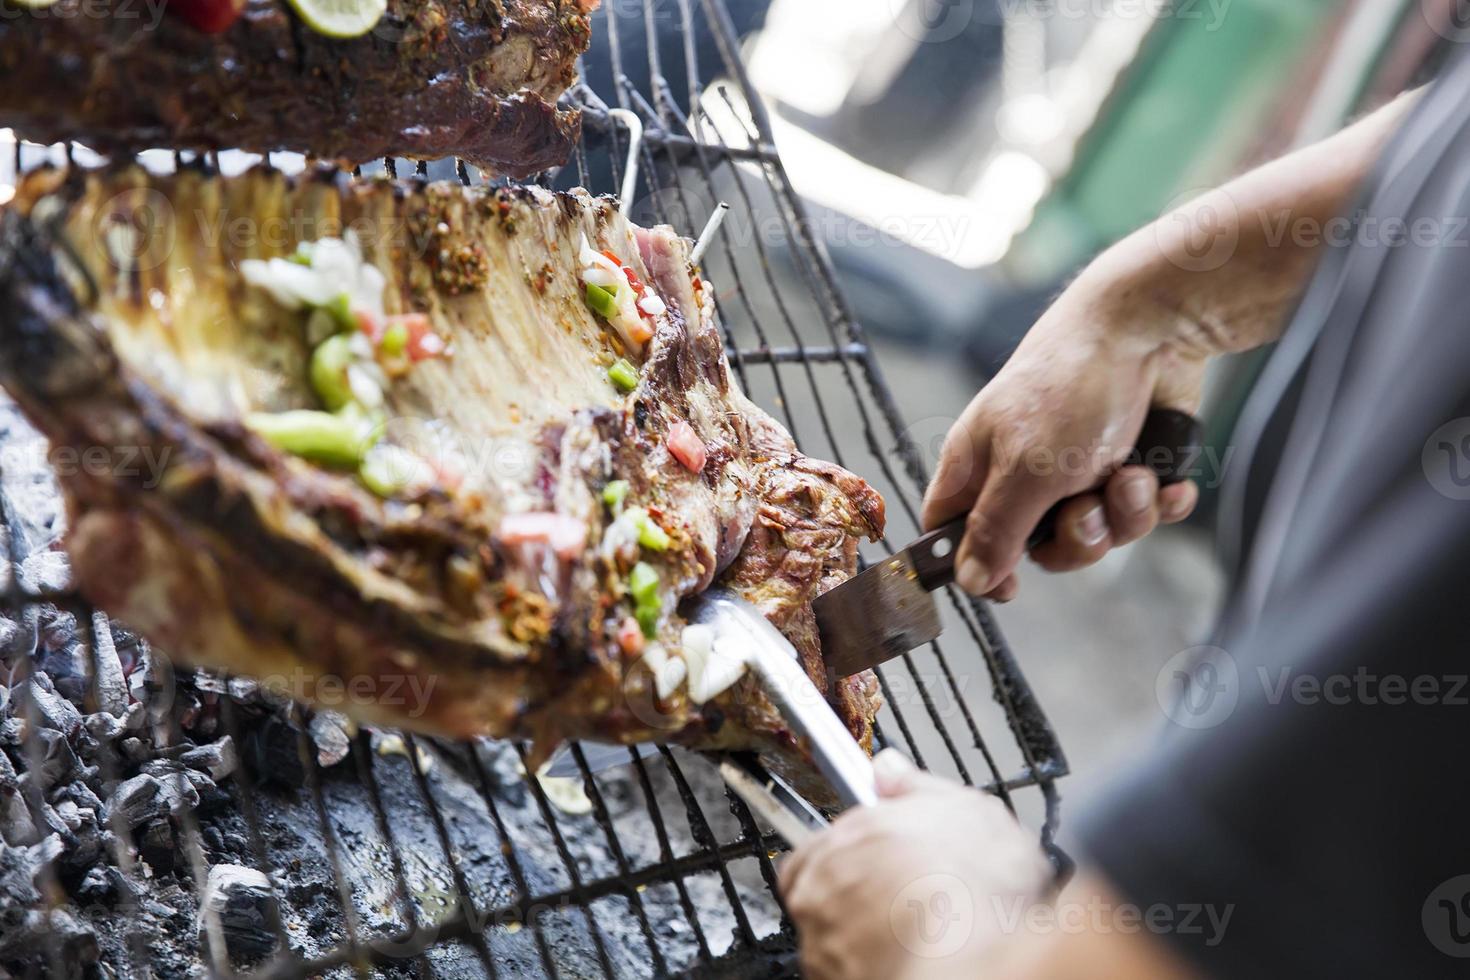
pixel 675 143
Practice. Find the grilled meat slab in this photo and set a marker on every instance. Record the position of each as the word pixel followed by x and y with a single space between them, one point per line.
pixel 477 79
pixel 225 550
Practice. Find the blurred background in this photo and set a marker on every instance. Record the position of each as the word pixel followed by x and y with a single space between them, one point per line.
pixel 962 159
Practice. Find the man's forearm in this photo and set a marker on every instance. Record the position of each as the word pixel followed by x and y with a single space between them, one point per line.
pixel 1089 934
pixel 1221 273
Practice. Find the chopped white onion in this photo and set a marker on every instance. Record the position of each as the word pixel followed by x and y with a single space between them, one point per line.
pixel 712 670
pixel 367 392
pixel 668 671
pixel 652 305
pixel 337 267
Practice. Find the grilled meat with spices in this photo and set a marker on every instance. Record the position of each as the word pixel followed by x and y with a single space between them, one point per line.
pixel 485 439
pixel 477 79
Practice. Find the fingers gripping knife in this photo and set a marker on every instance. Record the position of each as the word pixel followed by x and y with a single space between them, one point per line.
pixel 890 608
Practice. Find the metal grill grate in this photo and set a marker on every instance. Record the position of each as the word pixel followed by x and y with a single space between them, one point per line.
pixel 417 856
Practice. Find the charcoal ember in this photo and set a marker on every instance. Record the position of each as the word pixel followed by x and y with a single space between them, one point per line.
pixel 88 839
pixel 45 573
pixel 177 788
pixel 111 683
pixel 60 655
pixel 77 792
pixel 104 728
pixel 240 899
pixel 11 730
pixel 244 690
pixel 141 685
pixel 156 846
pixel 12 632
pixel 52 758
pixel 136 801
pixel 96 885
pixel 22 637
pixel 217 759
pixel 17 828
pixel 19 894
pixel 136 750
pixel 9 779
pixel 271 751
pixel 331 732
pixel 35 700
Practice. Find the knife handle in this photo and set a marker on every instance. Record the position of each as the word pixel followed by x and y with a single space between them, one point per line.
pixel 1169 445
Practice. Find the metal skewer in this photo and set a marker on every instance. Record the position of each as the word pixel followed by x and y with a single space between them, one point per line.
pixel 635 143
pixel 708 235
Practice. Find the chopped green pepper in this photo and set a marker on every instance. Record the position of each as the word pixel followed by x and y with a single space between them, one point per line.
pixel 643 583
pixel 322 437
pixel 623 375
pixel 647 606
pixel 329 363
pixel 647 617
pixel 340 306
pixel 386 471
pixel 650 535
pixel 602 301
pixel 395 339
pixel 614 494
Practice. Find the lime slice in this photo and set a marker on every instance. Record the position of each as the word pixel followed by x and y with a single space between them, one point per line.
pixel 340 18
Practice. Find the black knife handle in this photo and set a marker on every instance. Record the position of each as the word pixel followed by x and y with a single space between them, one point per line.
pixel 1169 444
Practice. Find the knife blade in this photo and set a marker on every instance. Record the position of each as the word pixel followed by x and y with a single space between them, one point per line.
pixel 890 608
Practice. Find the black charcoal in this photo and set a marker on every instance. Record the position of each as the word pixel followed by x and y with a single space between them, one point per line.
pixel 331 731
pixel 217 759
pixel 111 684
pixel 240 899
pixel 136 801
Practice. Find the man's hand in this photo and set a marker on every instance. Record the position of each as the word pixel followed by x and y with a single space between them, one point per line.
pixel 1134 331
pixel 920 885
pixel 1056 422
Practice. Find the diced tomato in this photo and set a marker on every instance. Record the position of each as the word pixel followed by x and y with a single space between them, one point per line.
pixel 369 325
pixel 687 447
pixel 630 636
pixel 209 16
pixel 640 333
pixel 565 535
pixel 423 343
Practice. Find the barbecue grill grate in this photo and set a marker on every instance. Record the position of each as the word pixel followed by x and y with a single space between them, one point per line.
pixel 417 856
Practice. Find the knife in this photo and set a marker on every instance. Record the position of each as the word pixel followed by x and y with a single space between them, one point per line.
pixel 742 633
pixel 889 609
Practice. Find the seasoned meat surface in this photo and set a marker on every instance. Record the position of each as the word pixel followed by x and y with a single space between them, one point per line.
pixel 474 78
pixel 506 587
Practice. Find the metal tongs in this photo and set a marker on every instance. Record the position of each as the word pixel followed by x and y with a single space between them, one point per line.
pixel 742 633
pixel 746 634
